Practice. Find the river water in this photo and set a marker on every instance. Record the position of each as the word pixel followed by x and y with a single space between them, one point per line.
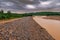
pixel 52 26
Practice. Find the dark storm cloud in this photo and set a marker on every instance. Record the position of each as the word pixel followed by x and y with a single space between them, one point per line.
pixel 10 4
pixel 29 4
pixel 50 3
pixel 43 0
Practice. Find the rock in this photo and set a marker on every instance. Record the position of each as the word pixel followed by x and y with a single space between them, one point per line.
pixel 23 29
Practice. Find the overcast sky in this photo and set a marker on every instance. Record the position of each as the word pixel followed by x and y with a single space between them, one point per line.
pixel 29 4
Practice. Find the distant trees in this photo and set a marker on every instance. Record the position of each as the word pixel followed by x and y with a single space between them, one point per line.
pixel 5 15
pixel 32 14
pixel 1 11
pixel 9 12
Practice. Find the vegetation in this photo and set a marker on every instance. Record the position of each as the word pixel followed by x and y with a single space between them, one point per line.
pixel 10 15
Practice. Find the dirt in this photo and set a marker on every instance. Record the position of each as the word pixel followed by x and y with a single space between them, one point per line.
pixel 8 20
pixel 23 29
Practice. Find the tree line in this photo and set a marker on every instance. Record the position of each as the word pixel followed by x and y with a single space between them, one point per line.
pixel 10 15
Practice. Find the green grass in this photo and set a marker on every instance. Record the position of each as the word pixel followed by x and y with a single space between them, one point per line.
pixel 10 15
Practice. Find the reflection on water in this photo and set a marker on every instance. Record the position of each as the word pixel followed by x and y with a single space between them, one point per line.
pixel 52 26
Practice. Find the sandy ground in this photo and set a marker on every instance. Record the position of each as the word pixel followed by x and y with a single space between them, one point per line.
pixel 52 26
pixel 9 20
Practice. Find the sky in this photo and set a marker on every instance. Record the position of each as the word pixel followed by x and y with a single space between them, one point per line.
pixel 29 4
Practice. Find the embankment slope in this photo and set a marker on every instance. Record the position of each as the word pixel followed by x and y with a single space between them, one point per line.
pixel 23 29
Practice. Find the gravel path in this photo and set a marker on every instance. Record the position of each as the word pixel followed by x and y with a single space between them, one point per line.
pixel 23 29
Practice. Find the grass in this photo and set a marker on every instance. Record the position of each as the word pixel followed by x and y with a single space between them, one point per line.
pixel 10 15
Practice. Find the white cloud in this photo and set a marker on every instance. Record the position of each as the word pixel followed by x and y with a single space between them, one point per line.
pixel 31 0
pixel 30 6
pixel 46 3
pixel 58 4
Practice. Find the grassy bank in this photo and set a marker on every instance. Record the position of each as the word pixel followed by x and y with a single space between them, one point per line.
pixel 10 15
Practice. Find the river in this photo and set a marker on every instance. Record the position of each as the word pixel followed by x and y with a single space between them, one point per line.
pixel 52 26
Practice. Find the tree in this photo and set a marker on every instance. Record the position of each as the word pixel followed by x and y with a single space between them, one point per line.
pixel 9 12
pixel 1 11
